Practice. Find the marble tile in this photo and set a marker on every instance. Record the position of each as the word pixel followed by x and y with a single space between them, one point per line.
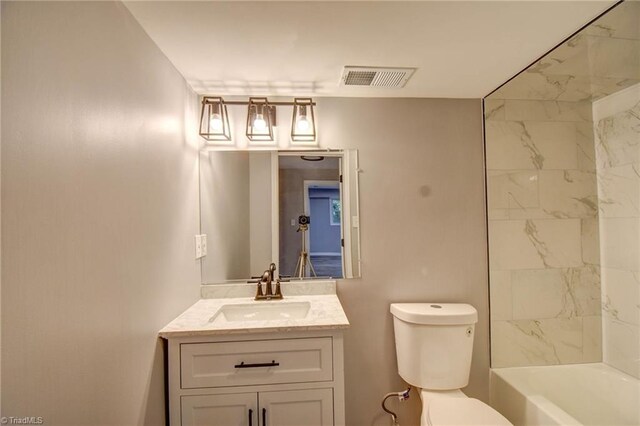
pixel 510 147
pixel 531 110
pixel 621 346
pixel 536 342
pixel 569 59
pixel 613 57
pixel 557 143
pixel 568 193
pixel 500 294
pixel 534 85
pixel 619 191
pixel 498 214
pixel 621 22
pixel 620 243
pixel 618 139
pixel 518 145
pixel 583 291
pixel 523 213
pixel 532 244
pixel 592 339
pixel 605 86
pixel 556 293
pixel 493 109
pixel 537 86
pixel 586 146
pixel 538 294
pixel 593 57
pixel 590 235
pixel 621 295
pixel 512 189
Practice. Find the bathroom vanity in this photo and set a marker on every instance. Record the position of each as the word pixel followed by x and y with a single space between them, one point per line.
pixel 233 360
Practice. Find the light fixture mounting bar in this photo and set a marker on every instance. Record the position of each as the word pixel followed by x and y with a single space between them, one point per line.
pixel 281 103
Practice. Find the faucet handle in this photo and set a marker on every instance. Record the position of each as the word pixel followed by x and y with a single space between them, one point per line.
pixel 259 293
pixel 278 292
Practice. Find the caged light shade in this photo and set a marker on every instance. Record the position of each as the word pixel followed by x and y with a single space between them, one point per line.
pixel 303 125
pixel 214 120
pixel 261 117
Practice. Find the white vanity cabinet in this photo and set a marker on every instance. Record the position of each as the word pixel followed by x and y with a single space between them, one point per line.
pixel 261 379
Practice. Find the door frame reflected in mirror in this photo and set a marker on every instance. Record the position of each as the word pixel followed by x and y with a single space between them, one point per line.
pixel 350 209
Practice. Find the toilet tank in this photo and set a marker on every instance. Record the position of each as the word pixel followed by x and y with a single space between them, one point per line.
pixel 434 343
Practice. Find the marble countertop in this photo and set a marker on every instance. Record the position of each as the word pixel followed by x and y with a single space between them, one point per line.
pixel 325 313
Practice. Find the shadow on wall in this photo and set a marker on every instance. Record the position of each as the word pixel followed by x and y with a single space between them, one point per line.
pixel 156 392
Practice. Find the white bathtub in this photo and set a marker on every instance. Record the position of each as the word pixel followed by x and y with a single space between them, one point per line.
pixel 579 394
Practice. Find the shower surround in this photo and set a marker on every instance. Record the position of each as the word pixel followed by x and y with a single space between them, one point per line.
pixel 543 233
pixel 563 181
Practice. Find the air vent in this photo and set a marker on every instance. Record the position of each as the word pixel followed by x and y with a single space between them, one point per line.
pixel 376 77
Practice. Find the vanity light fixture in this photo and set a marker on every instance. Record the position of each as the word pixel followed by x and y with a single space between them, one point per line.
pixel 303 125
pixel 214 120
pixel 261 120
pixel 261 117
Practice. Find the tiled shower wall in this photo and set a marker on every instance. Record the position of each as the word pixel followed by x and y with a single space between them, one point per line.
pixel 617 133
pixel 561 199
pixel 543 233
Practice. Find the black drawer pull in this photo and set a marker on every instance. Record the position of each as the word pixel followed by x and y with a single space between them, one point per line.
pixel 250 417
pixel 263 364
pixel 264 417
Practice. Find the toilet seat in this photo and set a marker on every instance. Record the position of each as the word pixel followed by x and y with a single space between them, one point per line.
pixel 463 412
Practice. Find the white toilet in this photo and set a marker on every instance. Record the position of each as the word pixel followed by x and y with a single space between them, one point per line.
pixel 434 343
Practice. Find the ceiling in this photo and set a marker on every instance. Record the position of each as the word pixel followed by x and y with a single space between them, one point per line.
pixel 462 49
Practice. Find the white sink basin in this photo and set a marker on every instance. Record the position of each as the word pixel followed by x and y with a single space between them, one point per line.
pixel 263 311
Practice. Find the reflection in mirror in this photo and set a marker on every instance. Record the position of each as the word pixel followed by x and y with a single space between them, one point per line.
pixel 310 229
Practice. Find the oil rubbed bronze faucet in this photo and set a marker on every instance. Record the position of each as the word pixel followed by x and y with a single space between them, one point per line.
pixel 267 278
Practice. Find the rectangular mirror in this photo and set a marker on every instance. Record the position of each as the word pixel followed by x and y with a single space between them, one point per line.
pixel 299 210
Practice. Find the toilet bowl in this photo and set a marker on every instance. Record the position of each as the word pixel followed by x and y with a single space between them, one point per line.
pixel 434 343
pixel 454 408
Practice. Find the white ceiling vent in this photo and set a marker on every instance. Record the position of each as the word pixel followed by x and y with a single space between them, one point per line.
pixel 376 76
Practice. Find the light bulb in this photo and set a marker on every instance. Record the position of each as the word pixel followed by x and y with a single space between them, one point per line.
pixel 303 124
pixel 216 122
pixel 259 123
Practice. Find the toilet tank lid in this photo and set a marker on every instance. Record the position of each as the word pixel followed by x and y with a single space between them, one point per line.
pixel 435 313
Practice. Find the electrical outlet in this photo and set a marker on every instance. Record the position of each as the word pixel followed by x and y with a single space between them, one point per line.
pixel 203 244
pixel 198 246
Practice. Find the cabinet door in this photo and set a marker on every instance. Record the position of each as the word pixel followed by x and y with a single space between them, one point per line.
pixel 220 410
pixel 309 407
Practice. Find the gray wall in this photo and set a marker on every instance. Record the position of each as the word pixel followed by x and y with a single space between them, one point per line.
pixel 260 211
pixel 423 232
pixel 100 206
pixel 235 206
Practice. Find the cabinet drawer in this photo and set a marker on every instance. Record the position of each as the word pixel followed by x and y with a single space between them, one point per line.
pixel 255 362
